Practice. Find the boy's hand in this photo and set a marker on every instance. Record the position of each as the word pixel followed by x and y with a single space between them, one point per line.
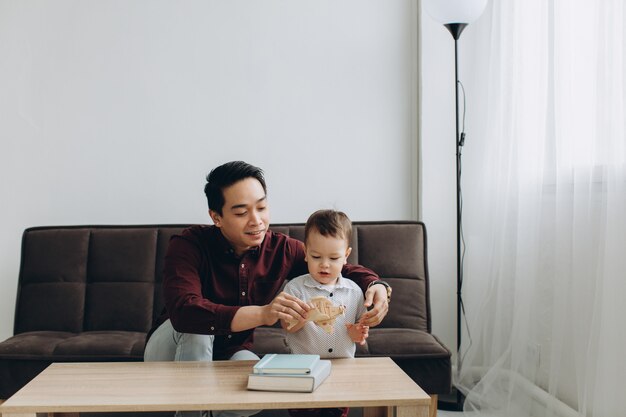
pixel 358 332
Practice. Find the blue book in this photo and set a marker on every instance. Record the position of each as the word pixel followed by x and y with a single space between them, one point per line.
pixel 278 363
pixel 291 382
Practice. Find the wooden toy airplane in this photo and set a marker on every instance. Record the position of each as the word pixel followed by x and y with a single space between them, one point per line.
pixel 323 314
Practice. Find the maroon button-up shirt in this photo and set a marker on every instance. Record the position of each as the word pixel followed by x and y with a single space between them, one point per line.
pixel 205 282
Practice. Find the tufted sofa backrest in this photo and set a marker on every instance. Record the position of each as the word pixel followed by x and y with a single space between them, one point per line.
pixel 91 278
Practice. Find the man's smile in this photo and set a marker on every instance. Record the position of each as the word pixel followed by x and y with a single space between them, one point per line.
pixel 255 232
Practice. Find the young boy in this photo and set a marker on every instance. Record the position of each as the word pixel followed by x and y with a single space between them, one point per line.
pixel 327 246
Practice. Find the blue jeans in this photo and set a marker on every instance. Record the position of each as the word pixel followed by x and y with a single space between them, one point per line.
pixel 166 344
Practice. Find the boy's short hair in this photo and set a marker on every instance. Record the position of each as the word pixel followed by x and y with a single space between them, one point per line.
pixel 226 175
pixel 329 223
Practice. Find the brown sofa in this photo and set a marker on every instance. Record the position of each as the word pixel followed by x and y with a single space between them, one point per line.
pixel 90 293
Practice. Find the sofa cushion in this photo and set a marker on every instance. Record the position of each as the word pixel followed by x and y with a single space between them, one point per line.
pixel 404 343
pixel 269 340
pixel 53 306
pixel 395 343
pixel 52 280
pixel 67 347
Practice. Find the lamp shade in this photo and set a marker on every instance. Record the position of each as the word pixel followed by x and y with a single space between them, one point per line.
pixel 454 11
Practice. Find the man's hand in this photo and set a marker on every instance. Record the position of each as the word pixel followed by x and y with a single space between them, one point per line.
pixel 375 296
pixel 285 307
pixel 357 332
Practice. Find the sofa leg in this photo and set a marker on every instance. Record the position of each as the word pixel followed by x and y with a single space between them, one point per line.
pixel 433 405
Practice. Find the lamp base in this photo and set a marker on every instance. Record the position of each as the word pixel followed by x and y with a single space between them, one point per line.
pixel 451 402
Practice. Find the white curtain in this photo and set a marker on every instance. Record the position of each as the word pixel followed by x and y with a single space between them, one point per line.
pixel 544 180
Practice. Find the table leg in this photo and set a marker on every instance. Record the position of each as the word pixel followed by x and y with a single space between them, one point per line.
pixel 433 405
pixel 412 411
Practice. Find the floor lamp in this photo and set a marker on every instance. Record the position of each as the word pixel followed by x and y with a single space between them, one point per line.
pixel 455 15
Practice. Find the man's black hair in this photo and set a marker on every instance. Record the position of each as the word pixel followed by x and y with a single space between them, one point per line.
pixel 226 175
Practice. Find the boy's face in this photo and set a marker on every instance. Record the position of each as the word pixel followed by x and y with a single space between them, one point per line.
pixel 325 256
pixel 245 216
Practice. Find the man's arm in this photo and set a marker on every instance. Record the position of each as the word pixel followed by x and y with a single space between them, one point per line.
pixel 190 312
pixel 187 308
pixel 283 307
pixel 375 295
pixel 360 275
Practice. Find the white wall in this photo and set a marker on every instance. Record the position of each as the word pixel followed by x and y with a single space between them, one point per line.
pixel 112 112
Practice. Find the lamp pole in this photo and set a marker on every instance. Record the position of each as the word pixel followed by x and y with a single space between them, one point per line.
pixel 455 30
pixel 455 15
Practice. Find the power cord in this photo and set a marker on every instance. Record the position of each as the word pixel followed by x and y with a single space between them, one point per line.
pixel 462 304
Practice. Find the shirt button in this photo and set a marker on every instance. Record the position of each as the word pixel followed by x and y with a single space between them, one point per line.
pixel 242 266
pixel 243 293
pixel 331 294
pixel 229 336
pixel 330 350
pixel 212 328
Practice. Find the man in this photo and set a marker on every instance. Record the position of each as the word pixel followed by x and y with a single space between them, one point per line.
pixel 221 282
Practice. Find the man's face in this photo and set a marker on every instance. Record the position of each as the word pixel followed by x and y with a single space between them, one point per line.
pixel 326 256
pixel 245 216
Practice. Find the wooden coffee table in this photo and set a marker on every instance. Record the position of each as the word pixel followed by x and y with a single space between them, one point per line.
pixel 377 384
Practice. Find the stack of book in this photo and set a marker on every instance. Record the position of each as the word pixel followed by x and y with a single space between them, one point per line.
pixel 289 373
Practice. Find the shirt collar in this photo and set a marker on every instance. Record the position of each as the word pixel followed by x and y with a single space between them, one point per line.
pixel 310 282
pixel 226 248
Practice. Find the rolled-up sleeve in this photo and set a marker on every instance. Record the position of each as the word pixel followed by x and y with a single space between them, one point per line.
pixel 360 275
